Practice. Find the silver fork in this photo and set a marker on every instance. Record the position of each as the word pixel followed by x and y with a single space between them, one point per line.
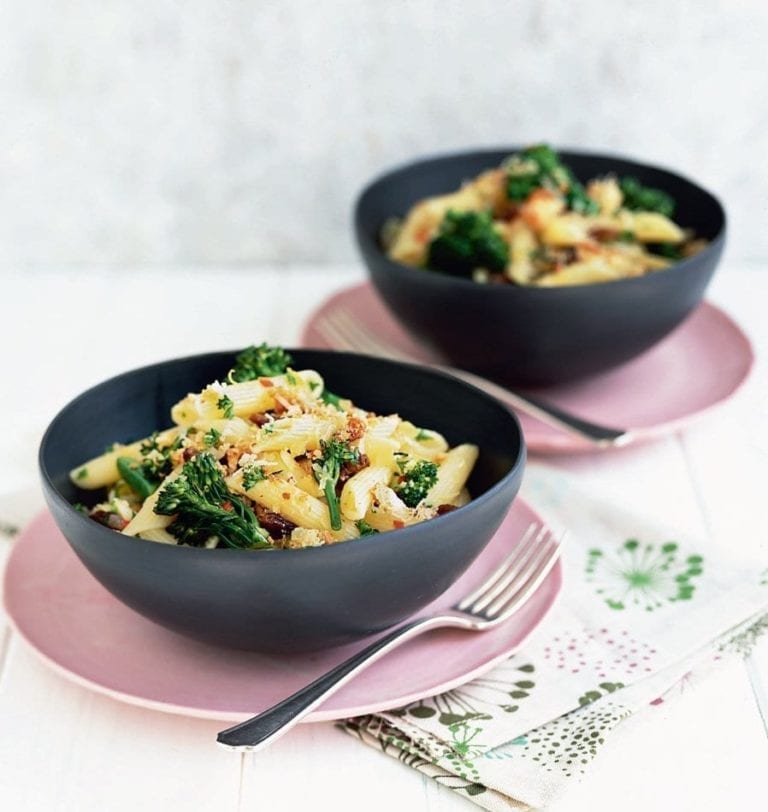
pixel 343 331
pixel 502 594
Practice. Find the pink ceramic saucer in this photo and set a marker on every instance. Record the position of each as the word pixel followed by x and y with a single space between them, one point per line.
pixel 87 635
pixel 697 367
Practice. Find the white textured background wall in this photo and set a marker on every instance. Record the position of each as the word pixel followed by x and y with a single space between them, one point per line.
pixel 226 131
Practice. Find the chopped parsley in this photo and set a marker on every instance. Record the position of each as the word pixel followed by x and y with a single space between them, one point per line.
pixel 330 399
pixel 82 473
pixel 225 405
pixel 365 529
pixel 252 475
pixel 156 463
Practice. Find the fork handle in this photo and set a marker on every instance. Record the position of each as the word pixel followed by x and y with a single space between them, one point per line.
pixel 546 412
pixel 263 729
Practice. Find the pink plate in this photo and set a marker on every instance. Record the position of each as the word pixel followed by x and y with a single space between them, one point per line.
pixel 653 395
pixel 87 635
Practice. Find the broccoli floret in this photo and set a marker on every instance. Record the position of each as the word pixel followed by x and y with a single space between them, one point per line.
pixel 365 529
pixel 465 241
pixel 668 250
pixel 204 507
pixel 415 482
pixel 540 167
pixel 577 199
pixel 327 471
pixel 212 437
pixel 260 362
pixel 646 198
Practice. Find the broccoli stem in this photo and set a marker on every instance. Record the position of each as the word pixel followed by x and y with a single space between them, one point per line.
pixel 333 505
pixel 130 471
pixel 327 471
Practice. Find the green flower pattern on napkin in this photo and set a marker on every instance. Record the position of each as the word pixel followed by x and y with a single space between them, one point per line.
pixel 643 575
pixel 514 738
pixel 458 774
pixel 426 753
pixel 566 744
pixel 605 688
pixel 743 642
pixel 476 701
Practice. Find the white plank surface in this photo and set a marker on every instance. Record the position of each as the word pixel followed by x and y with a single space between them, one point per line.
pixel 62 747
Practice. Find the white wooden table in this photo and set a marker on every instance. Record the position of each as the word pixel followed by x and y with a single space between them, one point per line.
pixel 65 748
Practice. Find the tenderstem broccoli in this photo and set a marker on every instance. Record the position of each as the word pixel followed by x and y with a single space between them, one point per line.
pixel 265 361
pixel 415 482
pixel 365 529
pixel 260 362
pixel 646 198
pixel 327 471
pixel 131 472
pixel 540 167
pixel 204 507
pixel 466 241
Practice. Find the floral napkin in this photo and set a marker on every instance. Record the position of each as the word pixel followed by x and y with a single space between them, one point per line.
pixel 641 609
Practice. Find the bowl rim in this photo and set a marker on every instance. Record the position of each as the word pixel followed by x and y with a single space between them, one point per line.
pixel 516 468
pixel 367 242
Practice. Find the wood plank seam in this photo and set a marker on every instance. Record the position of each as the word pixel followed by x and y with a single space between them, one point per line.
pixel 753 675
pixel 758 690
pixel 241 782
pixel 5 645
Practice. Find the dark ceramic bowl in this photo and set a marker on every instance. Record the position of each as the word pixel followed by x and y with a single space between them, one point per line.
pixel 285 600
pixel 535 336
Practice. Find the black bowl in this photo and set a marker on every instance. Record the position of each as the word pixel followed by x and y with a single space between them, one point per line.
pixel 529 335
pixel 285 600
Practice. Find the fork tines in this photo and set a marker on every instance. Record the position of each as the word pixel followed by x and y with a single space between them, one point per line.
pixel 512 583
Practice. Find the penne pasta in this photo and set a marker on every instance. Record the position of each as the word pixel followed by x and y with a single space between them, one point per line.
pixel 526 223
pixel 358 490
pixel 101 471
pixel 146 519
pixel 388 511
pixel 288 500
pixel 158 534
pixel 273 461
pixel 452 475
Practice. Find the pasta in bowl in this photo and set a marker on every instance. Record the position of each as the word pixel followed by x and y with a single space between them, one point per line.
pixel 532 222
pixel 509 299
pixel 271 458
pixel 293 590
